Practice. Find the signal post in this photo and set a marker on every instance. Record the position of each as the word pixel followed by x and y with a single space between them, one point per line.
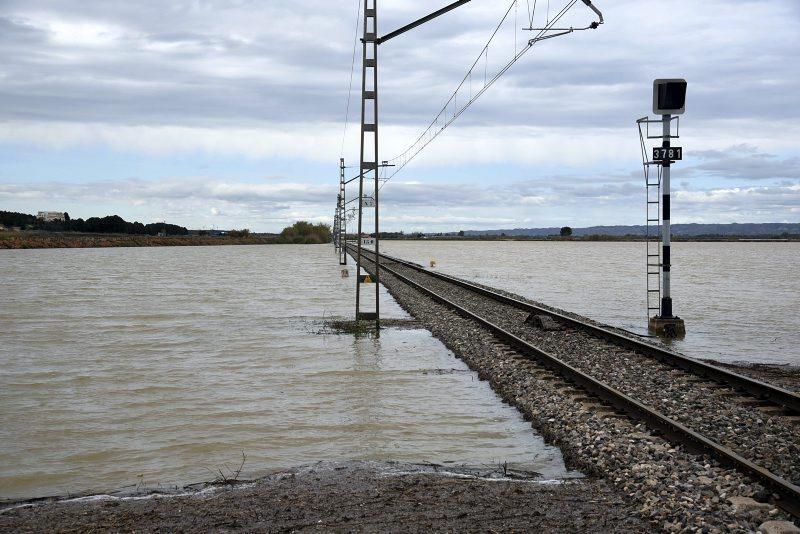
pixel 669 101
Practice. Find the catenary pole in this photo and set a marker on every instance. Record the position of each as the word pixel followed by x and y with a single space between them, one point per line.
pixel 370 42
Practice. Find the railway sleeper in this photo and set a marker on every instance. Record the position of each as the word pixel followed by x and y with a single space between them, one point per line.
pixel 792 419
pixel 773 409
pixel 755 402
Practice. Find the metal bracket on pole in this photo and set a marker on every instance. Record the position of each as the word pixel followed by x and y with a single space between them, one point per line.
pixel 591 6
pixel 565 31
pixel 423 20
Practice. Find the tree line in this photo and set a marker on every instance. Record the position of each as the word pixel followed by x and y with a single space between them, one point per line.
pixel 111 224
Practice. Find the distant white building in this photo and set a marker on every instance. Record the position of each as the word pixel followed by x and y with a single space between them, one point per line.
pixel 49 216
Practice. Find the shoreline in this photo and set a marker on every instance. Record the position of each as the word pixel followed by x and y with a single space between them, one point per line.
pixel 22 241
pixel 349 496
pixel 386 468
pixel 48 240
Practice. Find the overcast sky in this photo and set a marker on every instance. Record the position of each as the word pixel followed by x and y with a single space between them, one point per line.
pixel 230 114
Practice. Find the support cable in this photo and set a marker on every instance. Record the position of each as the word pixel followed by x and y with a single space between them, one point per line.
pixel 434 128
pixel 352 70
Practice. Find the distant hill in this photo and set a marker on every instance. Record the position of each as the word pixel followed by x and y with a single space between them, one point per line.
pixel 687 230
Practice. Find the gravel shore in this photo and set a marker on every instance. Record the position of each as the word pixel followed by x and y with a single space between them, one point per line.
pixel 349 497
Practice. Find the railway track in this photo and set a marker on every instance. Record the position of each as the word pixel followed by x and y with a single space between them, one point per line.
pixel 629 375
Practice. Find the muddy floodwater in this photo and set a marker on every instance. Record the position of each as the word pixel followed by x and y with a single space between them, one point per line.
pixel 158 366
pixel 142 367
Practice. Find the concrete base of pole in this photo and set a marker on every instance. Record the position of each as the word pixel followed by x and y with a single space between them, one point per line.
pixel 671 327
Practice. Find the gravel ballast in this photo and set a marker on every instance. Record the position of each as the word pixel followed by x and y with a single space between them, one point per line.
pixel 675 490
pixel 763 436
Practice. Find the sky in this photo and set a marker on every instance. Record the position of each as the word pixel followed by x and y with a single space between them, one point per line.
pixel 231 114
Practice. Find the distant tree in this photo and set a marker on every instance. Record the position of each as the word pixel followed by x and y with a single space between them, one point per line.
pixel 163 228
pixel 461 233
pixel 303 232
pixel 566 231
pixel 502 234
pixel 13 218
pixel 303 228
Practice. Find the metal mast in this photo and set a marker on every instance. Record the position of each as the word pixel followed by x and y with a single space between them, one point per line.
pixel 369 153
pixel 368 166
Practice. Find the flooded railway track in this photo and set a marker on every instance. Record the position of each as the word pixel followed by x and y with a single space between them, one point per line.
pixel 743 423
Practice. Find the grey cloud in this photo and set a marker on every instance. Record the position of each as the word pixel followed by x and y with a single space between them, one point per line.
pixel 418 194
pixel 247 64
pixel 407 205
pixel 273 195
pixel 744 162
pixel 766 203
pixel 17 34
pixel 578 188
pixel 130 82
pixel 292 65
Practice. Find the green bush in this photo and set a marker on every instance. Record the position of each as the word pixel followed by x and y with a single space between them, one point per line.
pixel 303 232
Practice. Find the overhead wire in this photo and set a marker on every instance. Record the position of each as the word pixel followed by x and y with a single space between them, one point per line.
pixel 454 96
pixel 352 71
pixel 421 143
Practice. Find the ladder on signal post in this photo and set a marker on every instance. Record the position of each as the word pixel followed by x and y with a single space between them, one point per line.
pixel 653 243
pixel 653 238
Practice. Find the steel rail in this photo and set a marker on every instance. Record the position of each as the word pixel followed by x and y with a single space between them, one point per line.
pixel 672 430
pixel 756 388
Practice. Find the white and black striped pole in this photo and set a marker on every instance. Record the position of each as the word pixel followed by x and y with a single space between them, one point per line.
pixel 666 258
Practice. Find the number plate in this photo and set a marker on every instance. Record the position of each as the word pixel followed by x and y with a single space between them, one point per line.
pixel 674 153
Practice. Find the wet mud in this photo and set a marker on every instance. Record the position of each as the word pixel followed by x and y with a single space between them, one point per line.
pixel 351 497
